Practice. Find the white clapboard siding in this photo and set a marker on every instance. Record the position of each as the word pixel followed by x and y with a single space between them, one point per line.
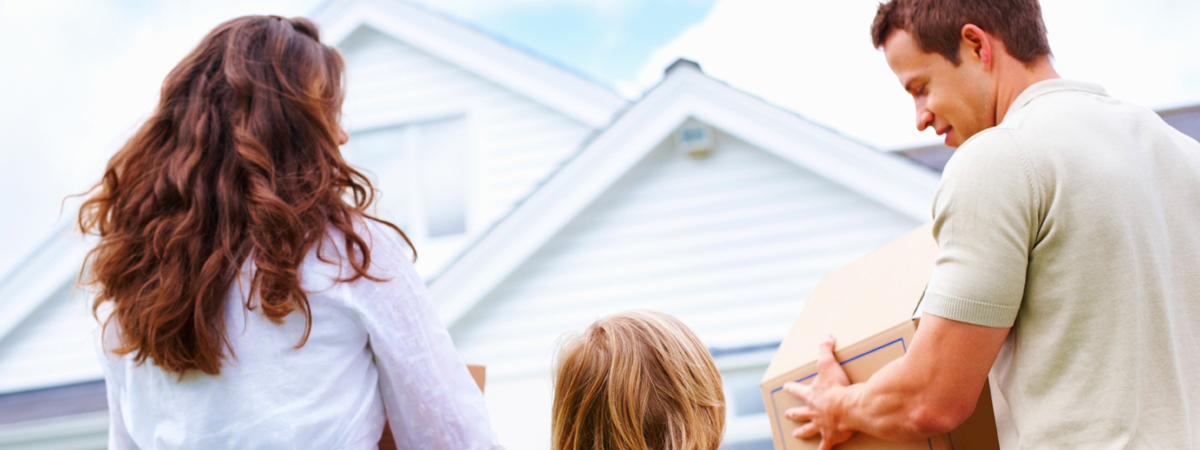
pixel 516 141
pixel 75 432
pixel 731 244
pixel 53 346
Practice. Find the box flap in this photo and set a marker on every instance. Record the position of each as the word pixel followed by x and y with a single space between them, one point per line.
pixel 860 299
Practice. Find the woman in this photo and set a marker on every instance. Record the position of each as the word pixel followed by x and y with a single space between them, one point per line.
pixel 638 380
pixel 250 301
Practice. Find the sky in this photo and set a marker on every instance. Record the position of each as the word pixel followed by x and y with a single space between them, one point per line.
pixel 815 58
pixel 78 76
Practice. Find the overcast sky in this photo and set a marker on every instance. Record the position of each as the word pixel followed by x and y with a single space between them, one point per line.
pixel 77 76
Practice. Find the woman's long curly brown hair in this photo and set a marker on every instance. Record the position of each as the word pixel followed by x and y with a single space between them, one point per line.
pixel 238 161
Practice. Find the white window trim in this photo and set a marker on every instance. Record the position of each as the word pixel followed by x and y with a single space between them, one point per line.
pixel 416 225
pixel 744 428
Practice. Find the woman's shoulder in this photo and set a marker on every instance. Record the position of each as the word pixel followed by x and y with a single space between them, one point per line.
pixel 388 247
pixel 380 249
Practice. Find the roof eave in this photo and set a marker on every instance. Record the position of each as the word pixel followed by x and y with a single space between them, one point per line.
pixel 474 51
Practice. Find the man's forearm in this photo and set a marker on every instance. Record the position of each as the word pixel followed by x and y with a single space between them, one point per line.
pixel 931 389
pixel 897 404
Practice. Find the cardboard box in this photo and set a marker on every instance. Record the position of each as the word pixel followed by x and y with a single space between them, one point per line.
pixel 869 305
pixel 478 373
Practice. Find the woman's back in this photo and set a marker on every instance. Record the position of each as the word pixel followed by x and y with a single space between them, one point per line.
pixel 250 300
pixel 325 394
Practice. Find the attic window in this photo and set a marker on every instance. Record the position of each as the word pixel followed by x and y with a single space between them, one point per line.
pixel 421 172
pixel 444 177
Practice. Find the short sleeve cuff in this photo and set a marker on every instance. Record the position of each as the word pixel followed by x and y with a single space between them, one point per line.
pixel 969 311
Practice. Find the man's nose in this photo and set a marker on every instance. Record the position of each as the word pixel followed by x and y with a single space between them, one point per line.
pixel 924 119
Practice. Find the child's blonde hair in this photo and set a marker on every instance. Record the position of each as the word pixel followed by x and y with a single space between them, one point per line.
pixel 638 380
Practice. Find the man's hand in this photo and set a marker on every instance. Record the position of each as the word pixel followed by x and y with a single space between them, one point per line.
pixel 823 413
pixel 929 391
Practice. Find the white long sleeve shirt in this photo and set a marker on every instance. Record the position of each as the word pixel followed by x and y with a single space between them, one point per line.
pixel 377 351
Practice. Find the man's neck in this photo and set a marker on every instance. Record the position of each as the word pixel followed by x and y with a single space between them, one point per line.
pixel 1014 77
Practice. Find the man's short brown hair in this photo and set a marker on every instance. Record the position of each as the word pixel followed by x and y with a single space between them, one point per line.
pixel 936 25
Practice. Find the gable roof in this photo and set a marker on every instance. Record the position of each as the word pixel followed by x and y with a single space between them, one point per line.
pixel 58 259
pixel 474 51
pixel 684 93
pixel 34 280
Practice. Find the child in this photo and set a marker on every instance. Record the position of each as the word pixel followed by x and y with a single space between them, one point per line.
pixel 638 380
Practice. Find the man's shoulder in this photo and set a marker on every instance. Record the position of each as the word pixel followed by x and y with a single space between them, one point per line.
pixel 1055 125
pixel 985 151
pixel 1056 118
pixel 997 137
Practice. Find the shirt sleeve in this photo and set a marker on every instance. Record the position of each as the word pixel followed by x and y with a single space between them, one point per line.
pixel 114 378
pixel 986 219
pixel 429 397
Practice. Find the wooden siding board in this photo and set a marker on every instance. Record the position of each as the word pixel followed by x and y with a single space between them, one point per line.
pixel 680 291
pixel 649 272
pixel 561 143
pixel 553 140
pixel 527 160
pixel 787 223
pixel 706 312
pixel 720 226
pixel 381 79
pixel 689 295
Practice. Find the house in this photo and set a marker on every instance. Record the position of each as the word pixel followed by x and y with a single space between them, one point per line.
pixel 700 201
pixel 452 125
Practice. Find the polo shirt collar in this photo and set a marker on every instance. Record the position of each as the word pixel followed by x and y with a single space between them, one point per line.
pixel 1044 87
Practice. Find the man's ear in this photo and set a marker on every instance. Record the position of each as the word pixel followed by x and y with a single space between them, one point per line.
pixel 977 44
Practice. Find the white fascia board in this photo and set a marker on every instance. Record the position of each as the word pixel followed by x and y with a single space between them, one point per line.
pixel 685 93
pixel 36 279
pixel 545 83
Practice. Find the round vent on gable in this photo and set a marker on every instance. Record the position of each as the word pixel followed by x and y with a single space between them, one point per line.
pixel 695 140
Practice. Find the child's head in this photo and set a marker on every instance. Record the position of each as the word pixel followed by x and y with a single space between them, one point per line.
pixel 638 380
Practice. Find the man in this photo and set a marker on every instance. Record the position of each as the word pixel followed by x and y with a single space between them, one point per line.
pixel 1068 224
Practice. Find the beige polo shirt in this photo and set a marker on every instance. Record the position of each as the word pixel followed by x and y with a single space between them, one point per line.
pixel 1076 221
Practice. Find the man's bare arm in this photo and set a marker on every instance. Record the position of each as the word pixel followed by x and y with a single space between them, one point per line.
pixel 930 390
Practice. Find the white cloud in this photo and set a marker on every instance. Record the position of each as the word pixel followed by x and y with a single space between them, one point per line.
pixel 815 57
pixel 1147 52
pixel 812 57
